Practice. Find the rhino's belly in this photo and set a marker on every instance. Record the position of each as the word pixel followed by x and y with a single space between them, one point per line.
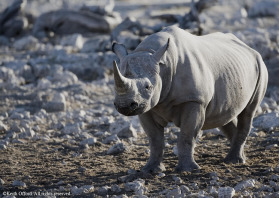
pixel 226 106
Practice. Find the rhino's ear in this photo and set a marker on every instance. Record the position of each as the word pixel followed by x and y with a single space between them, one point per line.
pixel 160 52
pixel 120 50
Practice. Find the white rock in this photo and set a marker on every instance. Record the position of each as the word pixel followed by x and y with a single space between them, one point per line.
pixel 272 146
pixel 226 192
pixel 3 147
pixel 18 183
pixel 177 180
pixel 64 78
pixel 29 133
pixel 212 190
pixel 136 186
pixel 89 141
pixel 275 177
pixel 123 129
pixel 58 103
pixel 115 188
pixel 43 83
pixel 76 191
pixel 3 127
pixel 176 192
pixel 214 131
pixel 87 188
pixel 17 116
pixel 116 149
pixel 112 138
pixel 26 43
pixel 72 129
pixel 161 175
pixel 75 40
pixel 245 184
pixel 266 121
pixel 274 185
pixel 184 190
pixel 96 44
pixel 241 13
pixel 103 190
pixel 2 182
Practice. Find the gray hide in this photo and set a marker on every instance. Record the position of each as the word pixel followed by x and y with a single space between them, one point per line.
pixel 197 82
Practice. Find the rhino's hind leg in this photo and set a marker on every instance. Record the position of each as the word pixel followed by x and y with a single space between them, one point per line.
pixel 241 131
pixel 237 136
pixel 235 155
pixel 155 133
pixel 230 129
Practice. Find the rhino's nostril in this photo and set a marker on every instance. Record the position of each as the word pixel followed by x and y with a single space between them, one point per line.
pixel 134 105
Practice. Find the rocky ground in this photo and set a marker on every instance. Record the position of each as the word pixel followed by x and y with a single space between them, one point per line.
pixel 60 135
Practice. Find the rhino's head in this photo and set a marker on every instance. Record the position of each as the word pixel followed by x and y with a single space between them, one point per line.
pixel 137 81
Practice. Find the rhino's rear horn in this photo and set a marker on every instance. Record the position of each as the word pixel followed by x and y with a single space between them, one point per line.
pixel 160 52
pixel 121 83
pixel 120 50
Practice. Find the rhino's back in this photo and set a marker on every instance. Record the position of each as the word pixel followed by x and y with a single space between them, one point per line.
pixel 217 70
pixel 235 68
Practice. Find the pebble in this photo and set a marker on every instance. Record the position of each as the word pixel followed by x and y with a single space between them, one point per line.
pixel 26 43
pixel 176 192
pixel 275 177
pixel 72 129
pixel 136 186
pixel 123 129
pixel 115 188
pixel 75 40
pixel 103 190
pixel 58 103
pixel 226 192
pixel 3 147
pixel 89 141
pixel 271 147
pixel 184 189
pixel 18 183
pixel 267 121
pixel 117 149
pixel 2 182
pixel 55 72
pixel 112 138
pixel 81 190
pixel 161 175
pixel 177 180
pixel 245 184
pixel 3 127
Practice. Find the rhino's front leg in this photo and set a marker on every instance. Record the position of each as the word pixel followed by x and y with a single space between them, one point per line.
pixel 192 120
pixel 155 133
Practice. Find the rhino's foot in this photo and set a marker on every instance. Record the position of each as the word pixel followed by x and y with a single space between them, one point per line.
pixel 235 159
pixel 153 168
pixel 188 167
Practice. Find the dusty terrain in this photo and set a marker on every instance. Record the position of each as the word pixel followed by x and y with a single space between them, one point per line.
pixel 60 135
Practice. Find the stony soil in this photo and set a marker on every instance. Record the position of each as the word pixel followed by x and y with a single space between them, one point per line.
pixel 60 135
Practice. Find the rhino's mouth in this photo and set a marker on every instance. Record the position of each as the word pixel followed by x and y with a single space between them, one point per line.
pixel 127 111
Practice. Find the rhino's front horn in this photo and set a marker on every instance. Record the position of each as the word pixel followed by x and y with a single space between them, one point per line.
pixel 121 83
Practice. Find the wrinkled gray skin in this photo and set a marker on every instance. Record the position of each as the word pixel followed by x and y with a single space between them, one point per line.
pixel 197 82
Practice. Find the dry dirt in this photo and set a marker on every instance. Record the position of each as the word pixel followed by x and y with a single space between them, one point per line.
pixel 41 165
